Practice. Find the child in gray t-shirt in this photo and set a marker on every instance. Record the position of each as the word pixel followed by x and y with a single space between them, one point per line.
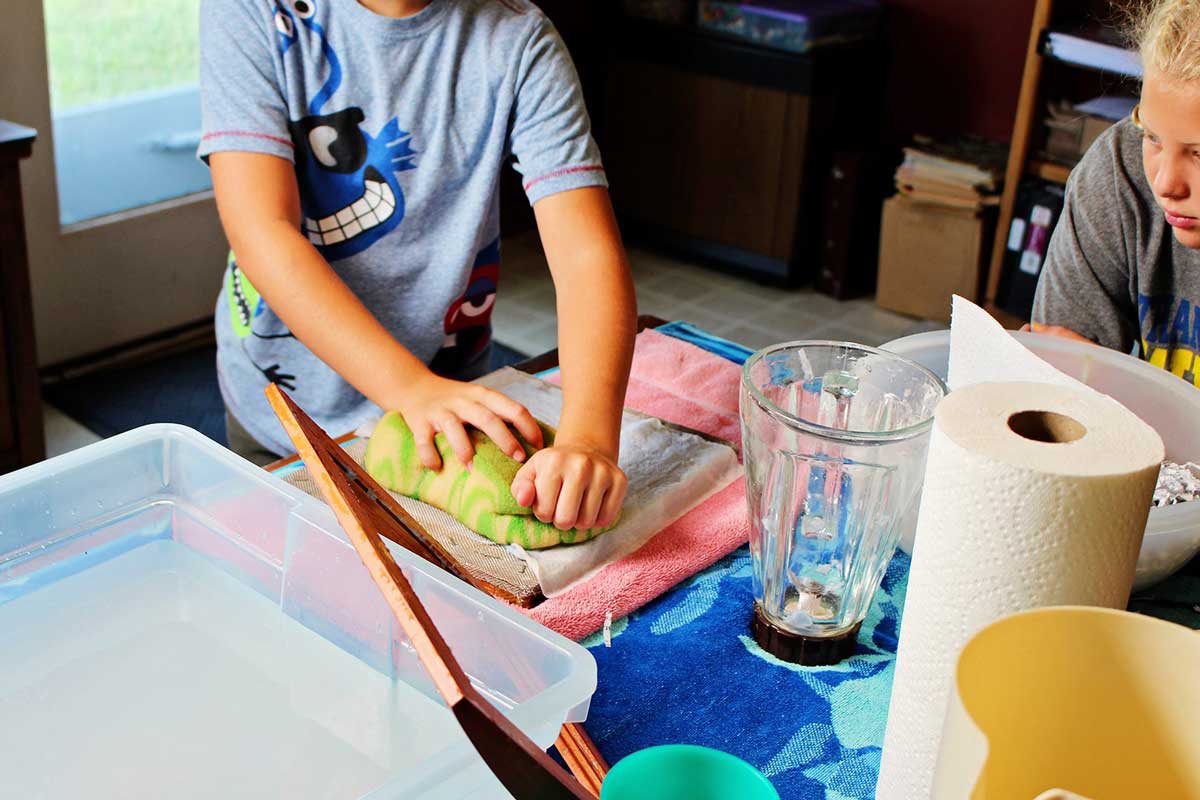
pixel 1123 265
pixel 356 149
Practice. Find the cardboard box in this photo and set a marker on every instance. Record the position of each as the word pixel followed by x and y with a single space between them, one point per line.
pixel 1092 128
pixel 1071 133
pixel 929 252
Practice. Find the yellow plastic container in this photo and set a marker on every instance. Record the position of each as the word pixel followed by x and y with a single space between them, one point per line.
pixel 1090 701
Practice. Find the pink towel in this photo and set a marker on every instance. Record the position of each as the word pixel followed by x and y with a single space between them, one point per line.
pixel 680 383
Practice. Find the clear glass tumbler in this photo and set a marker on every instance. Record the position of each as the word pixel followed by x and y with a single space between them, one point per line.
pixel 834 439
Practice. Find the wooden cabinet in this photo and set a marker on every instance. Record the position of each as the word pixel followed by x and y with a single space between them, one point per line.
pixel 723 149
pixel 21 437
pixel 708 158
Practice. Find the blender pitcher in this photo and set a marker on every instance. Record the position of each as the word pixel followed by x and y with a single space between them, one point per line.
pixel 834 439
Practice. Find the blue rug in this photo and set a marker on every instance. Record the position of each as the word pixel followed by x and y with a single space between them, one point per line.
pixel 180 388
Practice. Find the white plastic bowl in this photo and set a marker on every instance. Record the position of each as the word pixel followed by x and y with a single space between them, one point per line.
pixel 1164 401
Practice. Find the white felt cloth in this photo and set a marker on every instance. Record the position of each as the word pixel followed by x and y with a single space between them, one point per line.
pixel 670 472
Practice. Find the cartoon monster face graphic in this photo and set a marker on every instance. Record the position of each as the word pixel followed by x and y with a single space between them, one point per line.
pixel 347 176
pixel 245 307
pixel 468 320
pixel 474 308
pixel 347 179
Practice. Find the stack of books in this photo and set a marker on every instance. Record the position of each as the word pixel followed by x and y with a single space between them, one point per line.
pixel 966 172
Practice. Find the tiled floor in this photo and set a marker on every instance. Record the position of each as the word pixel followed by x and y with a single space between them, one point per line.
pixel 737 309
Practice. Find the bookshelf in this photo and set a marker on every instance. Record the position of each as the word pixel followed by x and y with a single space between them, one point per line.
pixel 1047 44
pixel 1048 170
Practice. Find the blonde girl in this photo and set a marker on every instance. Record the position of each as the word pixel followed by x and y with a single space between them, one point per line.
pixel 1123 267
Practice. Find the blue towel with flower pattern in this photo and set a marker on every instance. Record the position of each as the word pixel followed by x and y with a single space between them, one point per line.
pixel 685 669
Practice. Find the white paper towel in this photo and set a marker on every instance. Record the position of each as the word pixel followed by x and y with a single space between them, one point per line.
pixel 981 351
pixel 1007 524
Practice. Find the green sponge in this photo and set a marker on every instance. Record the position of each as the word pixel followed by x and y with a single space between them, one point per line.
pixel 480 498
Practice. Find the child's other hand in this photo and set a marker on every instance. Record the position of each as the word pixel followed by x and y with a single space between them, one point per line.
pixel 440 405
pixel 572 486
pixel 1055 330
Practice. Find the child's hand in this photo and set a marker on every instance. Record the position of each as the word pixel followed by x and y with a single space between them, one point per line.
pixel 1055 330
pixel 571 486
pixel 440 405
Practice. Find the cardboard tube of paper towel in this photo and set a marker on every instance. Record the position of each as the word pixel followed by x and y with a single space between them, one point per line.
pixel 1102 703
pixel 1035 495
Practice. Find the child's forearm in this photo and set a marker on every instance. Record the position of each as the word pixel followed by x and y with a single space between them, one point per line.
pixel 324 314
pixel 597 314
pixel 260 211
pixel 595 348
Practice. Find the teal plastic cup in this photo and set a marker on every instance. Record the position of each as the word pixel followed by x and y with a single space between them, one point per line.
pixel 685 772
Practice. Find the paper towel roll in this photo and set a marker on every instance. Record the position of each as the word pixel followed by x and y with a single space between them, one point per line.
pixel 1034 495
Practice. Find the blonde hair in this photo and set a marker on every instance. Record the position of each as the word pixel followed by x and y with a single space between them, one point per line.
pixel 1167 35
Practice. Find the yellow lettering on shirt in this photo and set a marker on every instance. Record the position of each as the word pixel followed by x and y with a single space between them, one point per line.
pixel 1181 361
pixel 1178 361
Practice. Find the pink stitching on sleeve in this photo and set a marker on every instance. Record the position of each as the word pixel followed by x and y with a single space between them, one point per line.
pixel 251 134
pixel 559 172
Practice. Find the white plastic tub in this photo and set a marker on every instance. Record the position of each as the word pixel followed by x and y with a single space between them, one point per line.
pixel 1164 401
pixel 176 621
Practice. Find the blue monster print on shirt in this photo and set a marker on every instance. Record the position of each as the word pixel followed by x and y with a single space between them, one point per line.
pixel 347 177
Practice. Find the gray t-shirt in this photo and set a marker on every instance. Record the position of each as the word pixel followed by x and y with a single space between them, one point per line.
pixel 1114 271
pixel 398 129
